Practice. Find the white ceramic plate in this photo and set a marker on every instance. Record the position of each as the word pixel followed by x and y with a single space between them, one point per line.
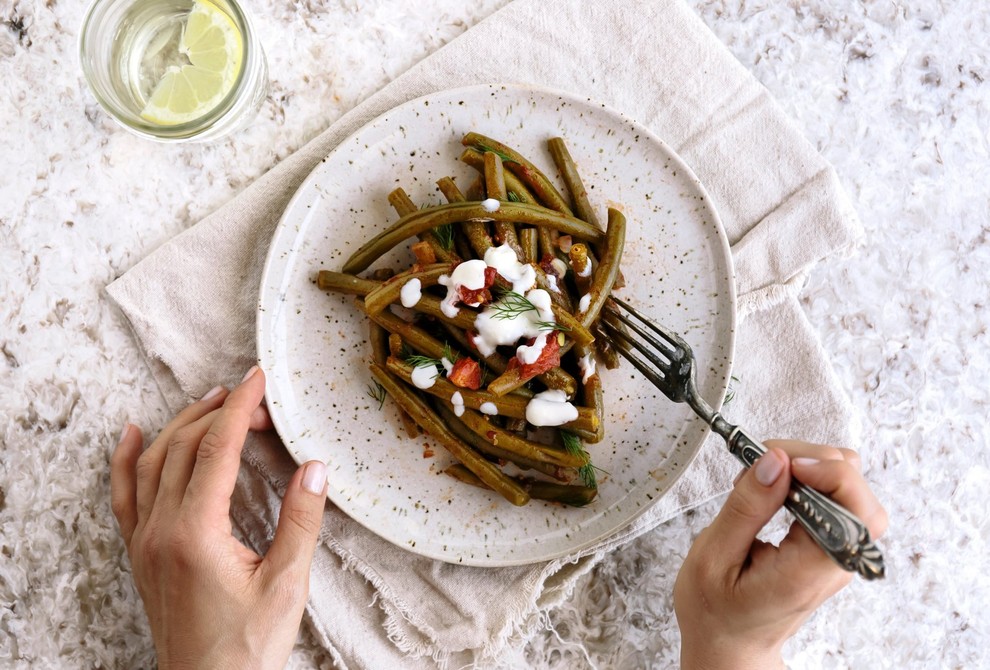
pixel 314 345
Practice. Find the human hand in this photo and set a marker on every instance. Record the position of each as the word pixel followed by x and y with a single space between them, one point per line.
pixel 211 601
pixel 738 599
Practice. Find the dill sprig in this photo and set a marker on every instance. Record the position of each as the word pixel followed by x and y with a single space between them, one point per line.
pixel 445 235
pixel 511 304
pixel 730 392
pixel 573 446
pixel 513 196
pixel 420 361
pixel 377 392
pixel 505 158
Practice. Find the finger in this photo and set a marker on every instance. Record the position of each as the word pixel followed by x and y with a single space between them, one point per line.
pixel 842 482
pixel 151 462
pixel 798 449
pixel 123 480
pixel 298 525
pixel 261 419
pixel 751 504
pixel 180 457
pixel 218 457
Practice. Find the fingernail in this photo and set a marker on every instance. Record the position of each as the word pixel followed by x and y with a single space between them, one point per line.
pixel 124 432
pixel 212 393
pixel 315 477
pixel 250 373
pixel 768 469
pixel 805 461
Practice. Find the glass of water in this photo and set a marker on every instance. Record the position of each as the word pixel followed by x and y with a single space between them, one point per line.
pixel 174 70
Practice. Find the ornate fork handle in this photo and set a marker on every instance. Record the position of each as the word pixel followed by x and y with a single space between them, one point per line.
pixel 836 530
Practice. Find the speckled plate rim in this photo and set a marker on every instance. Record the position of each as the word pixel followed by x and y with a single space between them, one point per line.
pixel 276 267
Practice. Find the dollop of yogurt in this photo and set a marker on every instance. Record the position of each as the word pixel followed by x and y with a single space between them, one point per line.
pixel 411 292
pixel 425 376
pixel 494 332
pixel 550 408
pixel 522 276
pixel 457 400
pixel 491 205
pixel 470 275
pixel 488 408
pixel 584 303
pixel 588 366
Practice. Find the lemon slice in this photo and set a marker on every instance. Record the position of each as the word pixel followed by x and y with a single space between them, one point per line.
pixel 213 45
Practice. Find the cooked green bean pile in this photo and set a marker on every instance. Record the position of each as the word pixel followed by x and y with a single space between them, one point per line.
pixel 498 362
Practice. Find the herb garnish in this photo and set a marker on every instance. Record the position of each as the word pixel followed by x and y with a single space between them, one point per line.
pixel 419 361
pixel 511 304
pixel 445 235
pixel 377 392
pixel 573 446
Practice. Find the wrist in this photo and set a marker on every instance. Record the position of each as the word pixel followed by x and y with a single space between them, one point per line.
pixel 707 655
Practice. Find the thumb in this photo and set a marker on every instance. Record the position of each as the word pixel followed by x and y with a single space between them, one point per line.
pixel 299 521
pixel 755 499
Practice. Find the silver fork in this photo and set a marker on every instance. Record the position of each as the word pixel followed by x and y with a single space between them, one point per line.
pixel 669 365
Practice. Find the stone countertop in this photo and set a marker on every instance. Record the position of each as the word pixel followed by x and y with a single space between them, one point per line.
pixel 893 93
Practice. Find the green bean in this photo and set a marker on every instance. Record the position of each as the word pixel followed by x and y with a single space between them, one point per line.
pixel 450 190
pixel 577 330
pixel 582 205
pixel 581 265
pixel 389 291
pixel 608 268
pixel 431 424
pixel 476 191
pixel 458 428
pixel 505 231
pixel 519 445
pixel 341 282
pixel 572 180
pixel 594 398
pixel 566 494
pixel 404 205
pixel 512 379
pixel 528 173
pixel 380 353
pixel 557 291
pixel 529 241
pixel 459 213
pixel 475 231
pixel 516 191
pixel 509 405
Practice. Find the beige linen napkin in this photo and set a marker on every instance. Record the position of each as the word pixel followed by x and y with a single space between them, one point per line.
pixel 373 604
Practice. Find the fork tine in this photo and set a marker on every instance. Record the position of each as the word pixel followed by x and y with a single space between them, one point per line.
pixel 620 336
pixel 624 349
pixel 668 352
pixel 668 335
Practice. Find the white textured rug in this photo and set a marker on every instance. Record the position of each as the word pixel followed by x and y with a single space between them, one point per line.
pixel 895 95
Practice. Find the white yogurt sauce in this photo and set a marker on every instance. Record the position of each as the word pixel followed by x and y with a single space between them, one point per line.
pixel 494 332
pixel 491 205
pixel 411 292
pixel 584 303
pixel 552 282
pixel 504 260
pixel 470 275
pixel 425 376
pixel 588 366
pixel 489 408
pixel 586 272
pixel 457 400
pixel 550 408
